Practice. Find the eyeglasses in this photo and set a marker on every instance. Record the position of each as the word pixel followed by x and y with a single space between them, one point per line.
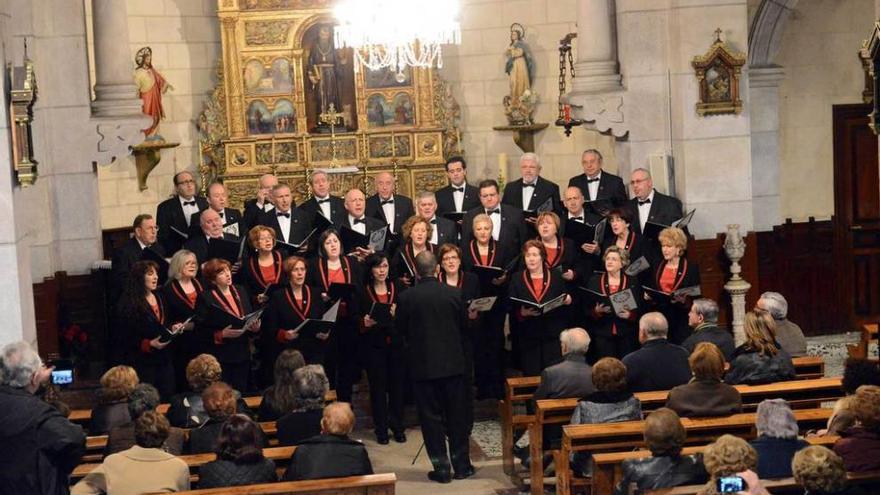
pixel 637 181
pixel 189 181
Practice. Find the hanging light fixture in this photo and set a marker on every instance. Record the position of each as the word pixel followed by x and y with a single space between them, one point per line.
pixel 395 34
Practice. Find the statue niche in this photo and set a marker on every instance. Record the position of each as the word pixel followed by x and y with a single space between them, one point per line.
pixel 329 80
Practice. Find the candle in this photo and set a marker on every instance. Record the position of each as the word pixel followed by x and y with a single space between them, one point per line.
pixel 458 140
pixel 393 150
pixel 566 109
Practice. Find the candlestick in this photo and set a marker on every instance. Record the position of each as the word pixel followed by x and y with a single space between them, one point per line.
pixel 458 140
pixel 393 150
pixel 566 109
pixel 502 167
pixel 274 159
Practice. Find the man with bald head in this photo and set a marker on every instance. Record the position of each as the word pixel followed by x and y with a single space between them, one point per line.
pixel 332 454
pixel 262 203
pixel 659 364
pixel 175 213
pixel 391 208
pixel 210 227
pixel 356 220
pixel 322 202
pixel 218 200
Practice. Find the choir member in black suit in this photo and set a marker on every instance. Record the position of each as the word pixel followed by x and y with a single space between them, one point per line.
pixel 613 334
pixel 322 202
pixel 217 201
pixel 650 205
pixel 180 295
pixel 132 251
pixel 177 211
pixel 675 272
pixel 384 350
pixel 458 196
pixel 331 266
pixel 230 345
pixel 286 310
pixel 444 230
pixel 588 252
pixel 357 221
pixel 430 318
pixel 508 224
pixel 391 208
pixel 211 228
pixel 416 233
pixel 620 234
pixel 255 207
pixel 262 268
pixel 532 190
pixel 143 314
pixel 538 333
pixel 291 225
pixel 483 250
pixel 595 183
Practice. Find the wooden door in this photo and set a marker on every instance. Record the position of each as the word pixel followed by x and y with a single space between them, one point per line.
pixel 857 215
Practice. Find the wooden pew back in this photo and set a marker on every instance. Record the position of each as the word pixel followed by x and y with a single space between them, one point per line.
pixel 869 481
pixel 373 484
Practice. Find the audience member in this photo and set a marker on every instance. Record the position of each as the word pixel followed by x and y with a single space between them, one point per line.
pixel 572 377
pixel 41 446
pixel 664 436
pixel 144 468
pixel 186 409
pixel 659 364
pixel 703 318
pixel 611 403
pixel 788 334
pixel 240 459
pixel 278 399
pixel 143 398
pixel 332 454
pixel 310 385
pixel 819 471
pixel 858 372
pixel 728 456
pixel 777 439
pixel 112 409
pixel 860 445
pixel 706 394
pixel 220 402
pixel 759 359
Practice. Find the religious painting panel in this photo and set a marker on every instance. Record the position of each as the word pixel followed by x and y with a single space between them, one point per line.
pixel 387 78
pixel 329 81
pixel 276 79
pixel 276 152
pixel 267 33
pixel 259 118
pixel 284 116
pixel 378 111
pixel 386 147
pixel 281 4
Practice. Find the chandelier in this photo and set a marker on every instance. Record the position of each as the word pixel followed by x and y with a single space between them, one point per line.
pixel 395 34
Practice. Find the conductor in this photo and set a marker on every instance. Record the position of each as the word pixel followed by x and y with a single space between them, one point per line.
pixel 431 318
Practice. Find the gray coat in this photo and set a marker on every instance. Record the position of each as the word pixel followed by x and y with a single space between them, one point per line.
pixel 791 338
pixel 572 377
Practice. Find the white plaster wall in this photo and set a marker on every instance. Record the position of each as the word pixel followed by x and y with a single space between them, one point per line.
pixel 819 55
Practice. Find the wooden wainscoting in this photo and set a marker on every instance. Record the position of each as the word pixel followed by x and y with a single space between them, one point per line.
pixel 82 299
pixel 715 271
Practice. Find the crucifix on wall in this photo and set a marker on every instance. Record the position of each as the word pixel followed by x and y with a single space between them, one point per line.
pixel 331 117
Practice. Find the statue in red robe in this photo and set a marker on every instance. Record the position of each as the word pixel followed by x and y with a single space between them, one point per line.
pixel 151 85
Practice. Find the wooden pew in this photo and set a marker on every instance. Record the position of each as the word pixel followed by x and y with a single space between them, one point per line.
pixel 373 484
pixel 868 480
pixel 609 437
pixel 801 394
pixel 860 350
pixel 607 466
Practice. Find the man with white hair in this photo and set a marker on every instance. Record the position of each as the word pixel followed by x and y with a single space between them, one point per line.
pixel 386 205
pixel 659 364
pixel 572 377
pixel 531 190
pixel 788 334
pixel 42 446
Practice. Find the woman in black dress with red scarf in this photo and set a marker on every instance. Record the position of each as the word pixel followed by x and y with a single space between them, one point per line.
pixel 180 294
pixel 538 333
pixel 385 361
pixel 262 268
pixel 331 267
pixel 230 345
pixel 613 335
pixel 143 314
pixel 672 274
pixel 416 236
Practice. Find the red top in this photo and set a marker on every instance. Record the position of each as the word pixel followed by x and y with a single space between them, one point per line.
pixel 268 273
pixel 613 288
pixel 192 296
pixel 552 254
pixel 384 298
pixel 155 308
pixel 484 259
pixel 230 301
pixel 337 276
pixel 537 284
pixel 667 279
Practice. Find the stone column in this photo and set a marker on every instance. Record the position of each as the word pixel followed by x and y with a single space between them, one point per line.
pixel 115 91
pixel 735 248
pixel 764 124
pixel 596 68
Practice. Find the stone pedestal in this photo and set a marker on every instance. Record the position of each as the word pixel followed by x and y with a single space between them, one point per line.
pixel 735 248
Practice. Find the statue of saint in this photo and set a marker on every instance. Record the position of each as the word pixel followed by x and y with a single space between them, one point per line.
pixel 151 86
pixel 322 72
pixel 520 67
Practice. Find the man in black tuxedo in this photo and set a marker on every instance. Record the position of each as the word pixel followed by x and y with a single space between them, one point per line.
pixel 458 196
pixel 445 230
pixel 508 224
pixel 145 234
pixel 255 207
pixel 291 225
pixel 650 205
pixel 356 220
pixel 211 228
pixel 177 211
pixel 532 190
pixel 217 201
pixel 392 209
pixel 321 202
pixel 595 183
pixel 431 318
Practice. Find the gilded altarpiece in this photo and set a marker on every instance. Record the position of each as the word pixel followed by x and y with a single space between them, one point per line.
pixel 263 115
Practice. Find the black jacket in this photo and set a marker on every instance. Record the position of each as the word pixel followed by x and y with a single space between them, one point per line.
pixel 447 230
pixel 123 259
pixel 282 313
pixel 198 244
pixel 186 410
pixel 301 223
pixel 610 187
pixel 209 326
pixel 371 225
pixel 403 209
pixel 544 327
pixel 222 473
pixel 664 210
pixel 169 214
pixel 543 189
pixel 431 317
pixel 446 202
pixel 252 213
pixel 750 367
pixel 231 218
pixel 296 427
pixel 610 324
pixel 204 438
pixel 328 456
pixel 658 365
pixel 337 209
pixel 661 472
pixel 252 275
pixel 513 231
pixel 41 446
pixel 714 334
pixel 775 455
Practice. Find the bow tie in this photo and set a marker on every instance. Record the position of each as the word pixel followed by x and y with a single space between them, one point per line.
pixel 221 213
pixel 589 180
pixel 434 221
pixel 189 203
pixel 645 202
pixel 458 189
pixel 282 214
pixel 496 211
pixel 359 220
pixel 321 201
pixel 577 218
pixel 530 184
pixel 386 202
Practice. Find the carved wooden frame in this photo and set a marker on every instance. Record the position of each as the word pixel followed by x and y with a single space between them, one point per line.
pixel 870 55
pixel 719 56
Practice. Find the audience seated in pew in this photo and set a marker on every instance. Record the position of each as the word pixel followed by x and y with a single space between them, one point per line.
pixel 659 364
pixel 789 335
pixel 759 359
pixel 611 403
pixel 186 409
pixel 240 459
pixel 112 409
pixel 664 437
pixel 821 472
pixel 278 399
pixel 304 421
pixel 703 318
pixel 705 394
pixel 332 454
pixel 860 445
pixel 143 398
pixel 219 400
pixel 858 372
pixel 777 439
pixel 144 468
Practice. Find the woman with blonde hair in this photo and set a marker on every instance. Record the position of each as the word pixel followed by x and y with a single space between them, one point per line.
pixel 672 275
pixel 416 232
pixel 180 294
pixel 759 359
